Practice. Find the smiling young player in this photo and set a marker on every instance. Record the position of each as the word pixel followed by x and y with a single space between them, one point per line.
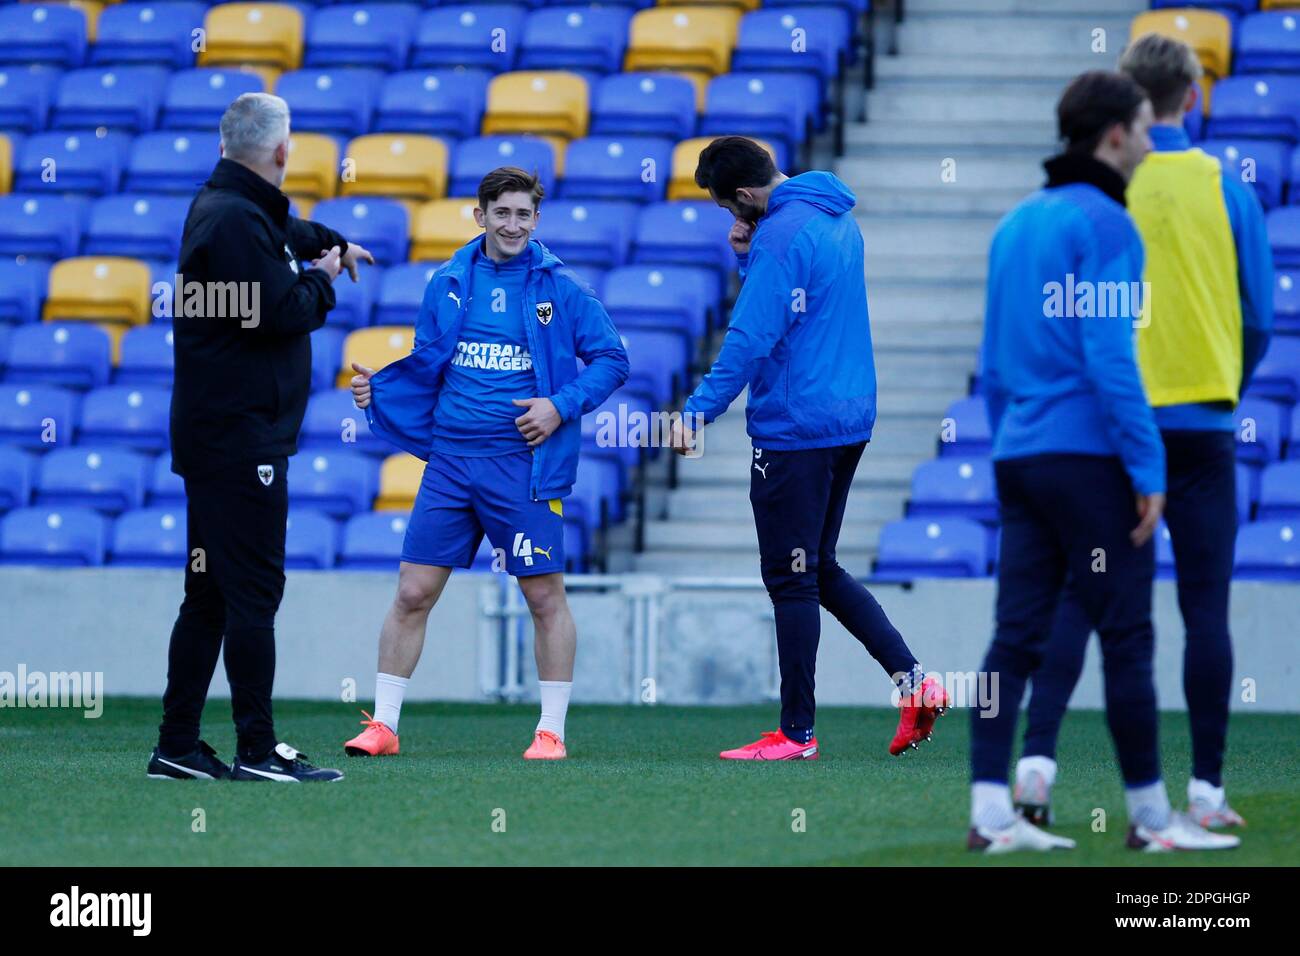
pixel 492 398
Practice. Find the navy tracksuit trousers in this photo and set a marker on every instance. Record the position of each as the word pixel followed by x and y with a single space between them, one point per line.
pixel 1069 516
pixel 1201 515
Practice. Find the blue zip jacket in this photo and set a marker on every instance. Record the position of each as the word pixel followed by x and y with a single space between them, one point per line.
pixel 1063 383
pixel 799 335
pixel 564 322
pixel 1254 279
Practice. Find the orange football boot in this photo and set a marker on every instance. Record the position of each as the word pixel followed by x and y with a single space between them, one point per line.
pixel 375 741
pixel 546 746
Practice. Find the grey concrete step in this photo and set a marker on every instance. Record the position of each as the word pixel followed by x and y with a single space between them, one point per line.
pixel 969 267
pixel 935 240
pixel 962 102
pixel 708 504
pixel 919 202
pixel 892 303
pixel 732 535
pixel 927 337
pixel 1054 71
pixel 941 172
pixel 723 563
pixel 997 134
pixel 901 437
pixel 723 471
pixel 919 9
pixel 1068 36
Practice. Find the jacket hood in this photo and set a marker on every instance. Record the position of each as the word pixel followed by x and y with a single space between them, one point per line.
pixel 821 189
pixel 540 257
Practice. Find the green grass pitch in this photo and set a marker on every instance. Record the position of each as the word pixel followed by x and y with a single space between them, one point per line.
pixel 642 787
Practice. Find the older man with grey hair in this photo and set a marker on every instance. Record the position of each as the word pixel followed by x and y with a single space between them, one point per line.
pixel 244 311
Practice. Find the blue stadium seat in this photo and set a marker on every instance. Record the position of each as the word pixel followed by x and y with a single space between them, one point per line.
pixel 617 167
pixel 26 94
pixel 67 537
pixel 150 537
pixel 353 301
pixel 688 233
pixel 143 227
pixel 326 356
pixel 70 162
pixel 42 33
pixel 1267 42
pixel 1284 236
pixel 469 35
pixel 660 297
pixel 764 42
pixel 339 483
pixel 147 357
pixel 402 291
pixel 361 34
pixel 1277 376
pixel 1247 492
pixel 598 485
pixel 195 99
pixel 75 354
pixel 953 486
pixel 132 416
pixel 769 106
pixel 659 361
pixel 1286 301
pixel 620 428
pixel 162 290
pixel 161 33
pixel 1279 491
pixel 333 424
pixel 1265 159
pixel 971 434
pixel 165 487
pixel 17 475
pixel 111 480
pixel 373 541
pixel 1229 8
pixel 338 101
pixel 311 540
pixel 1260 430
pixel 34 416
pixel 168 161
pixel 474 158
pixel 643 104
pixel 22 285
pixel 1268 550
pixel 448 103
pixel 1266 106
pixel 587 233
pixel 376 223
pixel 117 97
pixel 932 548
pixel 575 38
pixel 48 226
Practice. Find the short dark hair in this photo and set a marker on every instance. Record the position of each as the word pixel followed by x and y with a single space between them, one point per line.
pixel 509 179
pixel 1093 103
pixel 1163 66
pixel 732 162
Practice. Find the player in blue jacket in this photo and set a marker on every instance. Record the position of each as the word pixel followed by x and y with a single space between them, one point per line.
pixel 1076 453
pixel 800 339
pixel 491 397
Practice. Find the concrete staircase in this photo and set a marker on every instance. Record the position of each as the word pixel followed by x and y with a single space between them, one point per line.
pixel 971 93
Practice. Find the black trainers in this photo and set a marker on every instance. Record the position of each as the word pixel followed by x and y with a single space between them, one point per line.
pixel 284 765
pixel 199 764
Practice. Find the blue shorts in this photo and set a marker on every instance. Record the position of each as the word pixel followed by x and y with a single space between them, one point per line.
pixel 461 498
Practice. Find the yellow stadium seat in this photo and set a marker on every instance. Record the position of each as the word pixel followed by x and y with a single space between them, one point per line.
pixel 441 227
pixel 683 38
pixel 1207 89
pixel 1206 32
pixel 744 5
pixel 91 9
pixel 1278 4
pixel 537 101
pixel 100 289
pixel 268 33
pixel 115 331
pixel 399 480
pixel 686 156
pixel 303 207
pixel 6 164
pixel 374 348
pixel 269 75
pixel 313 171
pixel 401 165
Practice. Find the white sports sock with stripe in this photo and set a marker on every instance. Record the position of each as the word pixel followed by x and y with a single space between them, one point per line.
pixel 389 691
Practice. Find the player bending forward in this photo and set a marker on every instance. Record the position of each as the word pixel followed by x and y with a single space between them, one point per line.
pixel 492 398
pixel 800 340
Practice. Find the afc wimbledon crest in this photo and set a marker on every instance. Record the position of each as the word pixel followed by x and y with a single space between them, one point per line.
pixel 266 473
pixel 544 313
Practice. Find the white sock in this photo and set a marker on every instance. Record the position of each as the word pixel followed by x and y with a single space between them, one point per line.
pixel 1206 791
pixel 990 806
pixel 389 691
pixel 1043 765
pixel 555 705
pixel 1149 805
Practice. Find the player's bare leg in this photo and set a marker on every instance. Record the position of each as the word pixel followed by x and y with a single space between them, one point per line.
pixel 555 645
pixel 401 641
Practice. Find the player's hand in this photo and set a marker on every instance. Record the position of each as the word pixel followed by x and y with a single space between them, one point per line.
pixel 681 439
pixel 361 385
pixel 328 261
pixel 539 422
pixel 1149 509
pixel 742 231
pixel 354 256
